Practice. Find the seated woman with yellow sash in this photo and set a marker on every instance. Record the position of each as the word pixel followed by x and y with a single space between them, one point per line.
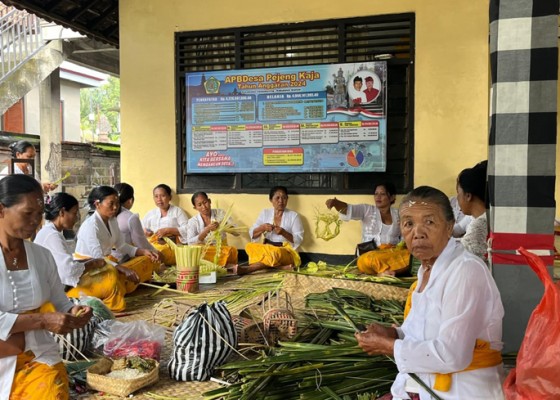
pixel 451 337
pixel 202 225
pixel 100 233
pixel 88 277
pixel 166 220
pixel 129 223
pixel 30 362
pixel 380 223
pixel 283 233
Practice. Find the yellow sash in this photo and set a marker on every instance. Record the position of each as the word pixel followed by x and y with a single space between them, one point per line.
pixel 483 355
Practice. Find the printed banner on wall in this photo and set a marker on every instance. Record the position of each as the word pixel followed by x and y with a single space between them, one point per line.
pixel 320 118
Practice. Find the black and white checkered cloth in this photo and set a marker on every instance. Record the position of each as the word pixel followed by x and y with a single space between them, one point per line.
pixel 522 151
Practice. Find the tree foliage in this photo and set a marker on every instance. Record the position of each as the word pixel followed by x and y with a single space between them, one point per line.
pixel 98 105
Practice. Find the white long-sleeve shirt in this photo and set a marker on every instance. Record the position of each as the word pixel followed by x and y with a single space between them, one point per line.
pixel 462 221
pixel 291 222
pixel 17 170
pixel 96 241
pixel 460 304
pixel 176 218
pixel 372 224
pixel 70 271
pixel 131 229
pixel 196 225
pixel 27 290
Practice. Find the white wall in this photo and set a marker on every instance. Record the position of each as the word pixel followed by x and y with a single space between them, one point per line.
pixel 70 94
pixel 31 110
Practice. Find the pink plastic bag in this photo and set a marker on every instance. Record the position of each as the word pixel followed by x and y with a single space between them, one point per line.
pixel 537 373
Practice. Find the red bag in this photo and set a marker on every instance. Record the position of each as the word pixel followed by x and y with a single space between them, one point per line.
pixel 537 373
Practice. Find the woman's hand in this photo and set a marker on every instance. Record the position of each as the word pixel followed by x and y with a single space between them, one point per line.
pixel 278 230
pixel 63 323
pixel 330 203
pixel 162 232
pixel 129 274
pixel 213 226
pixel 377 339
pixel 152 255
pixel 13 346
pixel 95 263
pixel 84 313
pixel 338 205
pixel 47 186
pixel 148 232
pixel 267 227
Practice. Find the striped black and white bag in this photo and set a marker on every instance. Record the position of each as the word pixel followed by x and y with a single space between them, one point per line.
pixel 199 348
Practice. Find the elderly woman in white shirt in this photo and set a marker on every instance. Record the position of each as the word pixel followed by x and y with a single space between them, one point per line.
pixel 30 363
pixel 89 277
pixel 452 334
pixel 166 220
pixel 283 233
pixel 100 233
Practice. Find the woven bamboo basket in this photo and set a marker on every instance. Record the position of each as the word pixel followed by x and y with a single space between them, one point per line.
pixel 299 286
pixel 248 331
pixel 97 380
pixel 278 318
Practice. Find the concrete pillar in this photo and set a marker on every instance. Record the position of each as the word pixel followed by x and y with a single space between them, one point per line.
pixel 51 129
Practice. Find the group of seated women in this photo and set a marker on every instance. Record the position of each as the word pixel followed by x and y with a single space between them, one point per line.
pixel 115 251
pixel 450 338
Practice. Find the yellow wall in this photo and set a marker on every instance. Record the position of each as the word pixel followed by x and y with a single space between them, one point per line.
pixel 451 103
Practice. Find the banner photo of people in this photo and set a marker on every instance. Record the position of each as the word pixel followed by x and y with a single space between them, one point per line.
pixel 320 118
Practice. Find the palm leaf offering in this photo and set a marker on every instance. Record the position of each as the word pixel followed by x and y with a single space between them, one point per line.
pixel 225 226
pixel 323 361
pixel 206 267
pixel 324 221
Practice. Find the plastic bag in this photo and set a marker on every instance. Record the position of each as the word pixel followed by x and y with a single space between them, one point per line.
pixel 204 341
pixel 136 338
pixel 536 376
pixel 101 335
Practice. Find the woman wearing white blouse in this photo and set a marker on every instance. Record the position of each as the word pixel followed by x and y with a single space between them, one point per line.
pixel 30 363
pixel 201 226
pixel 471 196
pixel 282 230
pixel 129 223
pixel 166 220
pixel 380 222
pixel 451 337
pixel 24 150
pixel 92 277
pixel 100 233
